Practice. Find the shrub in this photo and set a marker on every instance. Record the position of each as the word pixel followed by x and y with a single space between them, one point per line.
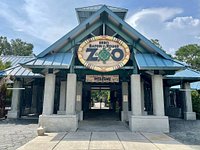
pixel 196 102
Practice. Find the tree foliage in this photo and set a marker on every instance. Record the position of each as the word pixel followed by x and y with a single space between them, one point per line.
pixel 156 42
pixel 4 65
pixel 196 101
pixel 189 54
pixel 15 47
pixel 99 95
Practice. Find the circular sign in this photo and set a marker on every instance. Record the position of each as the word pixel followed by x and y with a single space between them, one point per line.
pixel 103 53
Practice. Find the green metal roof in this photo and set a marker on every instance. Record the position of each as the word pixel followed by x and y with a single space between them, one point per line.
pixel 57 60
pixel 16 59
pixel 17 70
pixel 154 62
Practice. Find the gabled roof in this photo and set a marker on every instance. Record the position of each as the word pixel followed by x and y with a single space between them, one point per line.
pixel 97 7
pixel 15 69
pixel 154 62
pixel 15 59
pixel 19 71
pixel 85 12
pixel 124 26
pixel 57 60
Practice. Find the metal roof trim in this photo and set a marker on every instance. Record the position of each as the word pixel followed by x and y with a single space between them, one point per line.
pixel 48 66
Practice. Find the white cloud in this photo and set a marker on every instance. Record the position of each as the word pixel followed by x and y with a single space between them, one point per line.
pixel 183 22
pixel 39 20
pixel 168 26
pixel 161 14
pixel 197 37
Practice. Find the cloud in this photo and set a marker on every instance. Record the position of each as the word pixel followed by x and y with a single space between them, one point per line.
pixel 42 21
pixel 183 22
pixel 166 24
pixel 161 14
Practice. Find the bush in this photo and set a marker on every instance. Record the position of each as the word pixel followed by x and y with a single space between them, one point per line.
pixel 196 101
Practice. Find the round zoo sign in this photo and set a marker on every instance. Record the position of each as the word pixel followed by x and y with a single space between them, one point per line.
pixel 103 53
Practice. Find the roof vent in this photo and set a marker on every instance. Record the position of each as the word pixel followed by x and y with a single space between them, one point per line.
pixel 85 12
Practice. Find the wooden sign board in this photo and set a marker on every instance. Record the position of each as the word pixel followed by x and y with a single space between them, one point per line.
pixel 103 53
pixel 102 78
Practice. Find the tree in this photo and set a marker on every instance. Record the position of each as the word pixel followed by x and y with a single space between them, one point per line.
pixel 156 42
pixel 5 47
pixel 21 48
pixel 4 66
pixel 15 47
pixel 189 54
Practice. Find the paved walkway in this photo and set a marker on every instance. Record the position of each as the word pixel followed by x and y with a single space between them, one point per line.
pixel 15 133
pixel 104 141
pixel 187 132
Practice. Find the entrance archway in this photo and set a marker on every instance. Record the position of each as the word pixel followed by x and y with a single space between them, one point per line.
pixel 102 101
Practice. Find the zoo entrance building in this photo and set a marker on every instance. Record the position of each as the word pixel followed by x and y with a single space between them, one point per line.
pixel 102 53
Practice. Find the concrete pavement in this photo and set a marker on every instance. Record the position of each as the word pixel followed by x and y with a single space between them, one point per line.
pixel 15 133
pixel 104 141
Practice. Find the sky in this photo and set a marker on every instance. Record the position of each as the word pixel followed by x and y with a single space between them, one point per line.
pixel 174 23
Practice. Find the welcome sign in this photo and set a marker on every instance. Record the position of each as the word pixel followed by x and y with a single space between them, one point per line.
pixel 102 78
pixel 103 53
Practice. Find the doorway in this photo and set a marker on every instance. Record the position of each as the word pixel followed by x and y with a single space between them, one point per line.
pixel 102 102
pixel 100 98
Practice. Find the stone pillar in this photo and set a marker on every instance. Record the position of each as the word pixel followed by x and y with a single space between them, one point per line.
pixel 71 94
pixel 188 113
pixel 124 113
pixel 79 89
pixel 15 104
pixel 49 91
pixel 62 103
pixel 34 99
pixel 148 123
pixel 158 96
pixel 136 95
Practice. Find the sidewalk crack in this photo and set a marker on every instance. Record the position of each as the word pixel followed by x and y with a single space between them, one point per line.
pixel 120 140
pixel 60 140
pixel 90 140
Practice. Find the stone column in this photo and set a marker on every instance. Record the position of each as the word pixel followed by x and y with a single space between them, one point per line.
pixel 62 103
pixel 71 94
pixel 158 97
pixel 148 123
pixel 79 89
pixel 136 95
pixel 34 99
pixel 60 123
pixel 49 92
pixel 188 113
pixel 124 113
pixel 15 103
